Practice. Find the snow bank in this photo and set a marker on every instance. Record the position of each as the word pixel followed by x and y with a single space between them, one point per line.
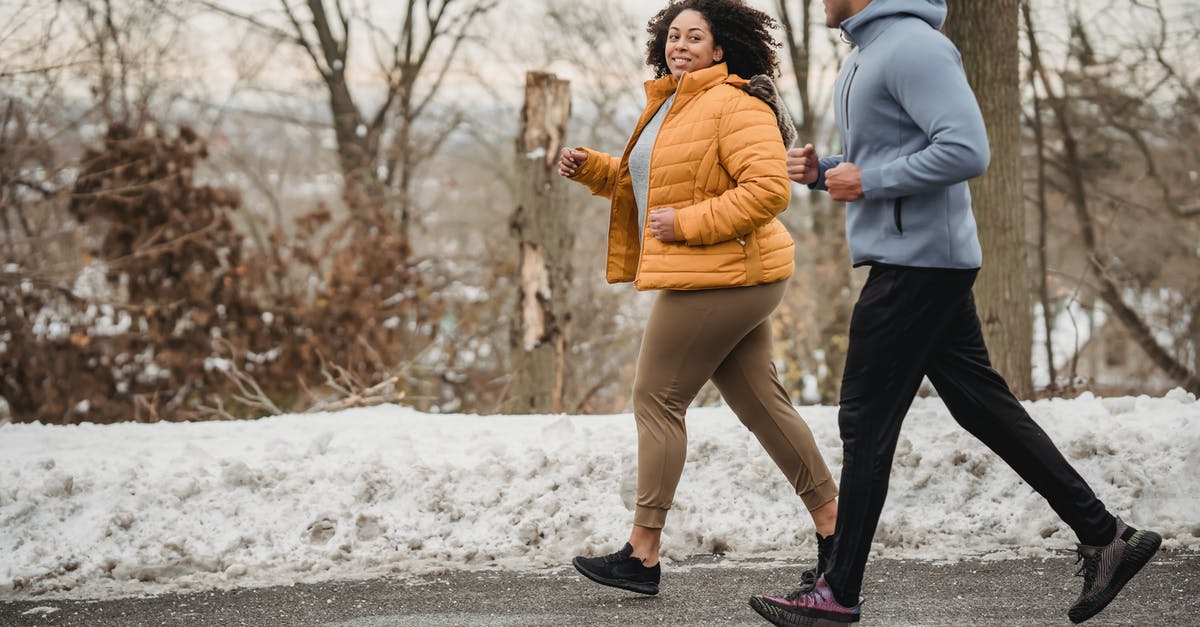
pixel 93 510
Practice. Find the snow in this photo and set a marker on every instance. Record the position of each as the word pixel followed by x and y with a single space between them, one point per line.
pixel 217 364
pixel 92 283
pixel 52 324
pixel 114 510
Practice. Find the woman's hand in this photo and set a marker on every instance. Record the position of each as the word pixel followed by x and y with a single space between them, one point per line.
pixel 662 224
pixel 570 161
pixel 803 165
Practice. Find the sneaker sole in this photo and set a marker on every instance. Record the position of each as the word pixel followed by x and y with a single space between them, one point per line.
pixel 632 586
pixel 776 616
pixel 1142 547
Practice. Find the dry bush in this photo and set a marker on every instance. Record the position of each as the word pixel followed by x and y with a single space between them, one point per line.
pixel 168 323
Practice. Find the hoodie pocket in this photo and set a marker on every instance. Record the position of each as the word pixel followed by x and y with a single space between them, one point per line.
pixel 897 216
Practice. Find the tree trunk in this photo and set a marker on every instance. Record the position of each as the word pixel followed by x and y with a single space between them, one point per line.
pixel 985 31
pixel 799 44
pixel 1043 274
pixel 831 256
pixel 832 289
pixel 545 235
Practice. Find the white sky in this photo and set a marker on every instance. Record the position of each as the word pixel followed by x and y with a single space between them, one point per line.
pixel 214 52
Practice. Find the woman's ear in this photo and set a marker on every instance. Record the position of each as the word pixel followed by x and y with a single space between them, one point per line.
pixel 718 54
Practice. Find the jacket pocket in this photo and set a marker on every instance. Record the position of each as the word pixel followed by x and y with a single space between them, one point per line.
pixel 897 216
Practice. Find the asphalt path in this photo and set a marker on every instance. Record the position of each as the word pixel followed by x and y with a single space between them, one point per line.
pixel 700 591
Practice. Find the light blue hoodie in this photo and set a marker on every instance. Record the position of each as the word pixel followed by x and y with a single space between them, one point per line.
pixel 909 120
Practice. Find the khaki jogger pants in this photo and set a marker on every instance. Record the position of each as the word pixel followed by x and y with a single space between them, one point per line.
pixel 723 335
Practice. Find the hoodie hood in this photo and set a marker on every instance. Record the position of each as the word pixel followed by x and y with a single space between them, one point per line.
pixel 863 27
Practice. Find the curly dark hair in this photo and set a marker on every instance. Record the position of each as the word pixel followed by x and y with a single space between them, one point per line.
pixel 743 32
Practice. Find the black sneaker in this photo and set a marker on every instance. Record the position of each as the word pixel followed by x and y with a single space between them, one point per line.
pixel 1106 569
pixel 808 578
pixel 620 570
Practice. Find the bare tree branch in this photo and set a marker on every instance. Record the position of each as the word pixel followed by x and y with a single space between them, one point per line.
pixel 1108 290
pixel 302 40
pixel 262 26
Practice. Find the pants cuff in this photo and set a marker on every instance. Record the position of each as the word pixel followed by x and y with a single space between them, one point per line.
pixel 819 494
pixel 650 517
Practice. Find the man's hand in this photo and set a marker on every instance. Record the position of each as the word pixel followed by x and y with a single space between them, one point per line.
pixel 570 161
pixel 802 165
pixel 662 224
pixel 844 182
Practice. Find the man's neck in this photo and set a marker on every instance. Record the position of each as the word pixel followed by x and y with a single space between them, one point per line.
pixel 856 7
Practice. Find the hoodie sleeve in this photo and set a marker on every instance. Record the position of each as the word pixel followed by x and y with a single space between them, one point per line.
pixel 751 150
pixel 823 164
pixel 928 81
pixel 598 173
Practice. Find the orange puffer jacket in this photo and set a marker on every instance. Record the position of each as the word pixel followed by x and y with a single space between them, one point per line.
pixel 720 161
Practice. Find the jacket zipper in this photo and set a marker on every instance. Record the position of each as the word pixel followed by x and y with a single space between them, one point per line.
pixel 846 94
pixel 896 216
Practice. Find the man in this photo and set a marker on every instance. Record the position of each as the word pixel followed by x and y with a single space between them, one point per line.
pixel 912 135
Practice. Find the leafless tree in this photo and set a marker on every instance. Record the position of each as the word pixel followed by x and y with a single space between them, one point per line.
pixel 987 35
pixel 1036 123
pixel 1128 176
pixel 823 256
pixel 116 50
pixel 379 148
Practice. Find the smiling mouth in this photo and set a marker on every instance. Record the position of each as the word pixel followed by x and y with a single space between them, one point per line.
pixel 680 60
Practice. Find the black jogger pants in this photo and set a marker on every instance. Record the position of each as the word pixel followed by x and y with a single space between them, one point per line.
pixel 913 322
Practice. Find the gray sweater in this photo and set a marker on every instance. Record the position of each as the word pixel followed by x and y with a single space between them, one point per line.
pixel 639 161
pixel 909 120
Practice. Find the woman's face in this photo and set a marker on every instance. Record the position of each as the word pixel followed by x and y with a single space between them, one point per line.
pixel 690 44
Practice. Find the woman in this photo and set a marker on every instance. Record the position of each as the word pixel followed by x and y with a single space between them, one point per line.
pixel 694 200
